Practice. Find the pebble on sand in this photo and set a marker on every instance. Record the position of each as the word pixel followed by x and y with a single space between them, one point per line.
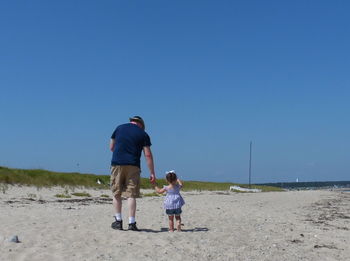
pixel 14 239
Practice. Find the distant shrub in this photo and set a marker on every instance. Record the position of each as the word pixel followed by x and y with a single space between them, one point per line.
pixel 81 194
pixel 62 196
pixel 45 178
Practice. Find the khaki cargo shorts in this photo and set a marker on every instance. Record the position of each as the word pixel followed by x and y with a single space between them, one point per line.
pixel 125 181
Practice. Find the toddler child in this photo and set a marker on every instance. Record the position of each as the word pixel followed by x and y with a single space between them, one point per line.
pixel 173 200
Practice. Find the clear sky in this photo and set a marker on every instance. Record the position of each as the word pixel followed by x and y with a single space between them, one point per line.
pixel 208 77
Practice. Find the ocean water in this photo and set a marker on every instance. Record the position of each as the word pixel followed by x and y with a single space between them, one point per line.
pixel 312 185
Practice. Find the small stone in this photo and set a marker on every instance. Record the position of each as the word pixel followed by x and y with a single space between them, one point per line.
pixel 14 239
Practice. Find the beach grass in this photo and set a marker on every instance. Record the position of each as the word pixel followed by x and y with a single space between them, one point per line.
pixel 45 178
pixel 62 196
pixel 81 194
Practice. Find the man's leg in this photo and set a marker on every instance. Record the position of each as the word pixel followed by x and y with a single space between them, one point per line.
pixel 132 209
pixel 132 212
pixel 116 180
pixel 117 203
pixel 133 192
pixel 116 186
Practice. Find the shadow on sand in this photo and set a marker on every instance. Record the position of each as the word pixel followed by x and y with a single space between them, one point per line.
pixel 165 229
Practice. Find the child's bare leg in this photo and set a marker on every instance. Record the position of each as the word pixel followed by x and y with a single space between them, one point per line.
pixel 178 221
pixel 171 223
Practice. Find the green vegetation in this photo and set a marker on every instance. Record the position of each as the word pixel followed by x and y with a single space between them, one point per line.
pixel 104 196
pixel 45 178
pixel 62 196
pixel 208 186
pixel 81 194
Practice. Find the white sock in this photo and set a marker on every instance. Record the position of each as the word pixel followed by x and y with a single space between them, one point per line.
pixel 131 220
pixel 118 216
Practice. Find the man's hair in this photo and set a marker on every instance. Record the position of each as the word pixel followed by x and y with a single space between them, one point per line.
pixel 139 120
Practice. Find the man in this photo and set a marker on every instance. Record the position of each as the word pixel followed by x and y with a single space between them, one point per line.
pixel 127 143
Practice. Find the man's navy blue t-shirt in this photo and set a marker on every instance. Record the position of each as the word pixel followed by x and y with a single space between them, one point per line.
pixel 130 140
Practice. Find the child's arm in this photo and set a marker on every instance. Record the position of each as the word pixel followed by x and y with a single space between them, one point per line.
pixel 180 182
pixel 158 190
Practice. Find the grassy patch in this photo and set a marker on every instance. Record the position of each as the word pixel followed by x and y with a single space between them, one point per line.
pixel 62 196
pixel 81 194
pixel 104 196
pixel 208 186
pixel 44 178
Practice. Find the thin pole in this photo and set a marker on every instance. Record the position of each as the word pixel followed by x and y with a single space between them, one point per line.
pixel 250 163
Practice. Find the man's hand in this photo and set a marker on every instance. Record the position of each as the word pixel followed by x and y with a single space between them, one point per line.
pixel 149 159
pixel 112 144
pixel 152 179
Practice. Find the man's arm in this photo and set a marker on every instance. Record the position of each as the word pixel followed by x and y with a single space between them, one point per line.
pixel 149 159
pixel 112 144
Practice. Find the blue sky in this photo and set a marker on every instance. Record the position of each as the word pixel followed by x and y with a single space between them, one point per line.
pixel 207 76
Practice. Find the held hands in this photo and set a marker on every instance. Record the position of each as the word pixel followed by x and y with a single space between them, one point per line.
pixel 152 179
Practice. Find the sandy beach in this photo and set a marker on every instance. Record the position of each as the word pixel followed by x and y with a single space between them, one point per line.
pixel 294 225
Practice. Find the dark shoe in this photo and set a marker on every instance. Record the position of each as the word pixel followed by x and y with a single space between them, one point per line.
pixel 118 225
pixel 133 227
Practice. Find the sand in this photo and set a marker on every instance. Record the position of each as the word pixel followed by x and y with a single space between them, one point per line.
pixel 293 225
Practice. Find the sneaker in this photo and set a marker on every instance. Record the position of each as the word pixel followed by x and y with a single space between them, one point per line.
pixel 118 225
pixel 133 227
